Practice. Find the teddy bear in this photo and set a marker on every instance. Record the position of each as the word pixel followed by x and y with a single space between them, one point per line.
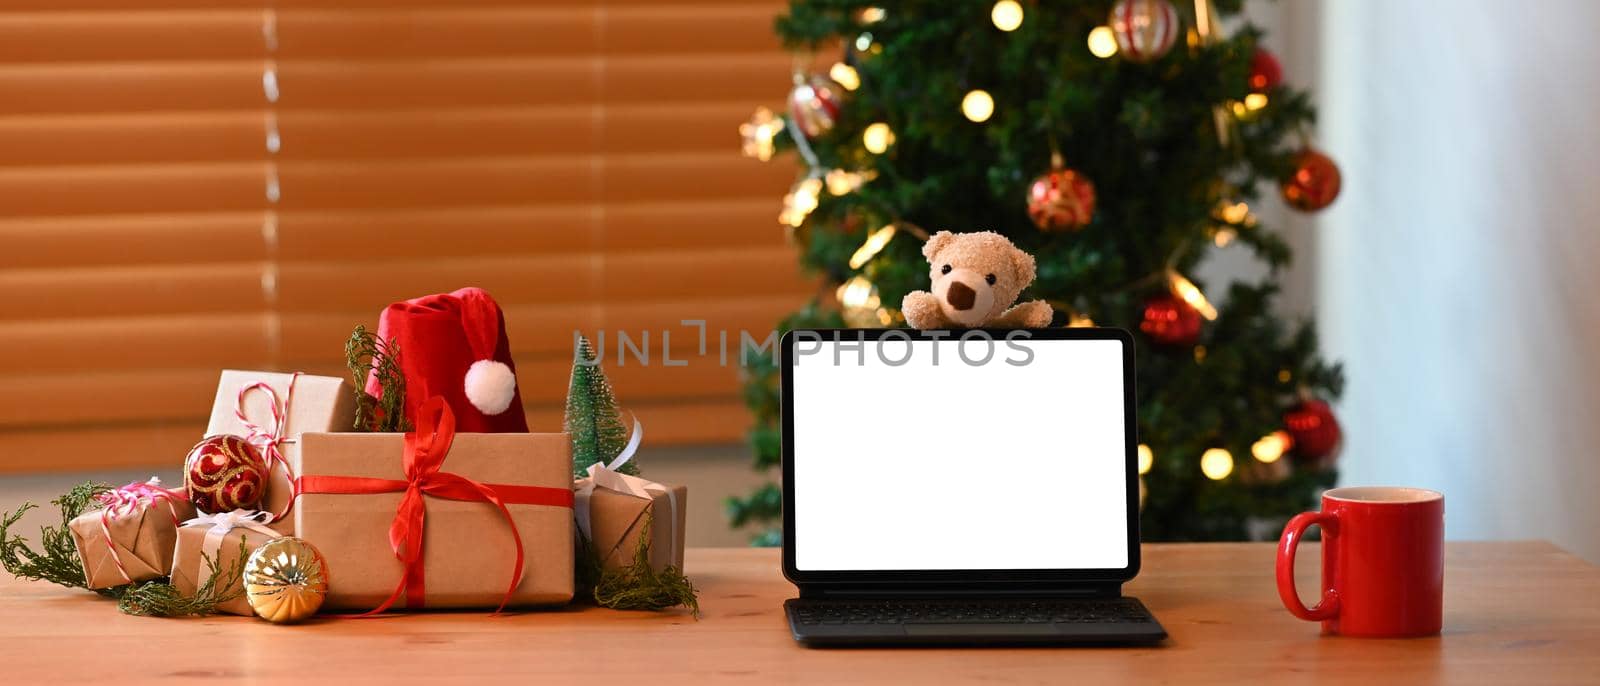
pixel 976 276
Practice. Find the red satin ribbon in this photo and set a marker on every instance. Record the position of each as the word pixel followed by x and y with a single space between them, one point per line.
pixel 425 451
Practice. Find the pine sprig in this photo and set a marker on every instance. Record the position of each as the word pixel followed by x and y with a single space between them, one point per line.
pixel 593 421
pixel 636 586
pixel 159 598
pixel 365 354
pixel 59 562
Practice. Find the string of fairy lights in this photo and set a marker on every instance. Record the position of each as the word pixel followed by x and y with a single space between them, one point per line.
pixel 1139 31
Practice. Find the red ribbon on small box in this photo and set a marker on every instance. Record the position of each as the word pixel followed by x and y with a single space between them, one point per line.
pixel 425 452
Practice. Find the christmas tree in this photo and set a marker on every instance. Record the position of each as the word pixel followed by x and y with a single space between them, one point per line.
pixel 1117 143
pixel 593 421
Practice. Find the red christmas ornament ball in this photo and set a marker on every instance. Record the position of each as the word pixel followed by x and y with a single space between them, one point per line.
pixel 1314 429
pixel 224 473
pixel 1314 183
pixel 1061 200
pixel 1169 320
pixel 1145 29
pixel 814 104
pixel 1265 72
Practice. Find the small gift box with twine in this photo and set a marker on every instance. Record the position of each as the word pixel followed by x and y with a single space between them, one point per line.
pixel 270 410
pixel 130 538
pixel 218 538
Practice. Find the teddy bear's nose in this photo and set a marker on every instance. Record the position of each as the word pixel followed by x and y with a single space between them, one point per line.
pixel 960 296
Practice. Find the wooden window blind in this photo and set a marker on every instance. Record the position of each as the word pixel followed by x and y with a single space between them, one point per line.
pixel 188 185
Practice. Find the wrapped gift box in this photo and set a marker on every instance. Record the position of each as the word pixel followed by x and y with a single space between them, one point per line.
pixel 468 553
pixel 617 520
pixel 219 538
pixel 131 539
pixel 317 404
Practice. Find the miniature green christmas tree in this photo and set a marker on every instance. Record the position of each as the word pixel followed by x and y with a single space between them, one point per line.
pixel 593 421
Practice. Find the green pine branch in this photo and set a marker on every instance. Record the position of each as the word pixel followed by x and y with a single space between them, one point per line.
pixel 57 562
pixel 636 586
pixel 365 354
pixel 159 598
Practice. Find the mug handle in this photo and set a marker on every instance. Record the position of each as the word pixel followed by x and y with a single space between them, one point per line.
pixel 1287 545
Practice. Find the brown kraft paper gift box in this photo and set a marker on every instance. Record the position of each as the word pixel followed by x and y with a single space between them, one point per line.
pixel 189 567
pixel 468 553
pixel 618 519
pixel 142 538
pixel 319 404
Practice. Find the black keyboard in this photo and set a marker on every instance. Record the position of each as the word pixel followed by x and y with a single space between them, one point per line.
pixel 1041 620
pixel 1120 610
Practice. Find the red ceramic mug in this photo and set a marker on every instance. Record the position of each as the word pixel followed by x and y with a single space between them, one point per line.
pixel 1382 562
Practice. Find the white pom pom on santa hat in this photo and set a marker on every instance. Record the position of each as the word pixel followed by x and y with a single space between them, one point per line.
pixel 490 385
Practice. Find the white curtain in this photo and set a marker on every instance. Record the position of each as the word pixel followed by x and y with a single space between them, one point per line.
pixel 1456 274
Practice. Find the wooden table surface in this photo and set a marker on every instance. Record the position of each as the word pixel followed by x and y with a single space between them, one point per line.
pixel 1521 612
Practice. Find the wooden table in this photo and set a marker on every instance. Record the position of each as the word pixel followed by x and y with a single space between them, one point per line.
pixel 1523 612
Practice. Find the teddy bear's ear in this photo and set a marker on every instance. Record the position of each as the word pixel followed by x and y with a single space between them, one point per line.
pixel 936 243
pixel 1025 267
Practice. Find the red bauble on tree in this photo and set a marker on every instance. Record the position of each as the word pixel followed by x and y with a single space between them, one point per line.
pixel 1061 200
pixel 1314 182
pixel 1265 72
pixel 814 104
pixel 1169 320
pixel 224 473
pixel 1145 29
pixel 1314 429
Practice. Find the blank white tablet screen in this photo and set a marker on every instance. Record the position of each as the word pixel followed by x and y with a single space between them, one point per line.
pixel 921 455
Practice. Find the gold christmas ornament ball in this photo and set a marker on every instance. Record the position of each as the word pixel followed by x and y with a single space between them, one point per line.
pixel 286 580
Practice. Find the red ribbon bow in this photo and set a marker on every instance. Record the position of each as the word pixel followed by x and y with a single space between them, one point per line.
pixel 425 451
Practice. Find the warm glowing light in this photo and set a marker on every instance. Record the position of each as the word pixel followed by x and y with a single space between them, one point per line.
pixel 872 246
pixel 858 293
pixel 840 182
pixel 1255 101
pixel 873 15
pixel 1235 213
pixel 800 201
pixel 1190 293
pixel 1102 43
pixel 1079 321
pixel 758 133
pixel 1224 236
pixel 1147 458
pixel 845 75
pixel 1203 21
pixel 1199 354
pixel 1271 447
pixel 864 41
pixel 978 106
pixel 1216 463
pixel 1284 376
pixel 1007 15
pixel 877 137
pixel 1239 110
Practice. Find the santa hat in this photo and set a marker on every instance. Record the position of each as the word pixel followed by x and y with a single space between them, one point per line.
pixel 454 345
